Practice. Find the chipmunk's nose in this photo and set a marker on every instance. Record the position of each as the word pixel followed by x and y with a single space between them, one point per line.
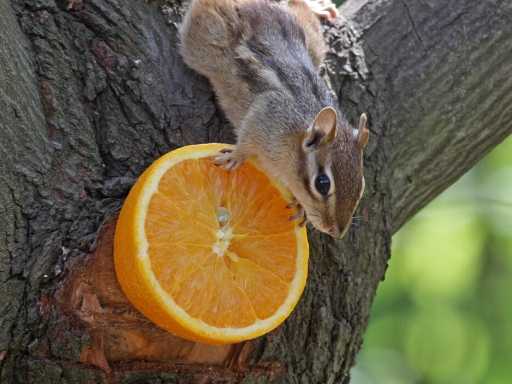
pixel 338 233
pixel 334 232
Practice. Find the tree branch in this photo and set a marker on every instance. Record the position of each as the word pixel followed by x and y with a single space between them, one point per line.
pixel 93 91
pixel 443 100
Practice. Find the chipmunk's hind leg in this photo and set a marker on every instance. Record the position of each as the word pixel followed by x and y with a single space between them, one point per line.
pixel 208 29
pixel 308 14
pixel 324 9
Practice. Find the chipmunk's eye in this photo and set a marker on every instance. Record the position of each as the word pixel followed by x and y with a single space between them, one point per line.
pixel 323 184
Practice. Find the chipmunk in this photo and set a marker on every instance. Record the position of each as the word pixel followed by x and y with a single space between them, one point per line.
pixel 262 59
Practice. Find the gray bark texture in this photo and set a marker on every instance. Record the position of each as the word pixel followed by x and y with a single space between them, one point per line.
pixel 92 91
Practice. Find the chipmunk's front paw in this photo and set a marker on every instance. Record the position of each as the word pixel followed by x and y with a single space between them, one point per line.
pixel 229 159
pixel 299 215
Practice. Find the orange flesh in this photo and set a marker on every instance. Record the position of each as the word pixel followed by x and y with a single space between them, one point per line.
pixel 228 273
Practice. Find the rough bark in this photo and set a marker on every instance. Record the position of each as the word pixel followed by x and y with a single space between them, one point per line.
pixel 92 91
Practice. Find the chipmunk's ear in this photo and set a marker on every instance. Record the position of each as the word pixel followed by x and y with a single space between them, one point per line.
pixel 322 131
pixel 362 134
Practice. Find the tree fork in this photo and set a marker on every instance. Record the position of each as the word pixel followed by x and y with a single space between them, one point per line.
pixel 92 91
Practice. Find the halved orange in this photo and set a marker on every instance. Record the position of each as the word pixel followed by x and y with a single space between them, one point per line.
pixel 207 254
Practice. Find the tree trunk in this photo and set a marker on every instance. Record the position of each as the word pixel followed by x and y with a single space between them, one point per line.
pixel 92 91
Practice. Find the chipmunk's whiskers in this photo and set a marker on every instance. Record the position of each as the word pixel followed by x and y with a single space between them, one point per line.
pixel 357 222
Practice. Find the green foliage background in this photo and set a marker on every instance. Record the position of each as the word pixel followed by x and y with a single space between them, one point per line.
pixel 444 312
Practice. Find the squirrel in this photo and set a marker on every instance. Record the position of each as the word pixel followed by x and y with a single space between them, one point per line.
pixel 262 59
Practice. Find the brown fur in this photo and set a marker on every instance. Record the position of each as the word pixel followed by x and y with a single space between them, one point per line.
pixel 262 60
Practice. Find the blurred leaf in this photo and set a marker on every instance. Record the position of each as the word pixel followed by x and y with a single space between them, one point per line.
pixel 447 346
pixel 440 255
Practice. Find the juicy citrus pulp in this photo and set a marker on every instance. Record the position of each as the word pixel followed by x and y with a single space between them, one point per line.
pixel 208 254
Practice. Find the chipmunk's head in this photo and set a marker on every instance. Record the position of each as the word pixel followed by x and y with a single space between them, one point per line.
pixel 332 163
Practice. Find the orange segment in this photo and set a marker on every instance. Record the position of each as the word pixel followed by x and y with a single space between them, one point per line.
pixel 265 289
pixel 207 254
pixel 272 252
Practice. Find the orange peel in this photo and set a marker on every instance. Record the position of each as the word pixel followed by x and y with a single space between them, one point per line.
pixel 207 254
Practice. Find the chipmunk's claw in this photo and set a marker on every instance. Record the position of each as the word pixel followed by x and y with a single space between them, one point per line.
pixel 294 204
pixel 228 159
pixel 299 215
